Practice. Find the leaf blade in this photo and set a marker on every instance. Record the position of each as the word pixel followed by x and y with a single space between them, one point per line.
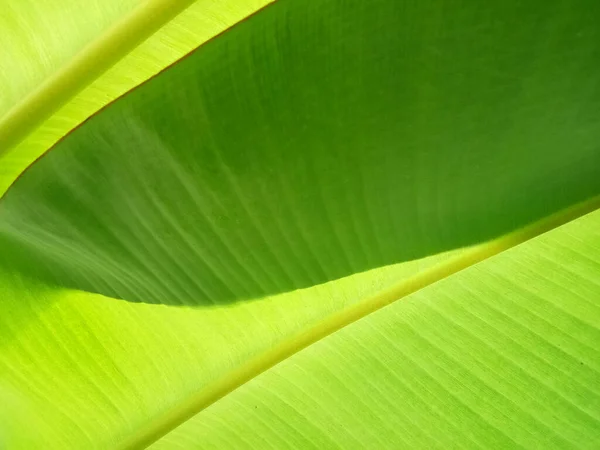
pixel 500 355
pixel 199 22
pixel 245 163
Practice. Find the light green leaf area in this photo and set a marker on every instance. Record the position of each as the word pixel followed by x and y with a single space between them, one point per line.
pixel 79 370
pixel 43 40
pixel 303 169
pixel 39 36
pixel 502 355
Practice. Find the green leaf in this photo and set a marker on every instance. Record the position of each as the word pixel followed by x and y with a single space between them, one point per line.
pixel 39 37
pixel 257 165
pixel 66 60
pixel 79 370
pixel 502 355
pixel 280 182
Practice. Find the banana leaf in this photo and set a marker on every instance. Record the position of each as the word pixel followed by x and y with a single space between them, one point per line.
pixel 332 224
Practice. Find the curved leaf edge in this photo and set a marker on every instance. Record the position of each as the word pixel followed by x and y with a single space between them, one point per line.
pixel 329 325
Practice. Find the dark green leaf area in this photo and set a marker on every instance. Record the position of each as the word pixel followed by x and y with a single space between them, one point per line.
pixel 316 140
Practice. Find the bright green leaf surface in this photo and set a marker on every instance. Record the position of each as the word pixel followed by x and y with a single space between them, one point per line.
pixel 79 370
pixel 312 142
pixel 41 38
pixel 502 355
pixel 37 37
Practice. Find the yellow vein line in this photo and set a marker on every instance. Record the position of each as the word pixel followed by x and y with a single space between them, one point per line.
pixel 254 367
pixel 95 59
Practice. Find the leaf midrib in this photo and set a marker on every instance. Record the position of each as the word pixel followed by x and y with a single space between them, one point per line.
pixel 329 325
pixel 87 66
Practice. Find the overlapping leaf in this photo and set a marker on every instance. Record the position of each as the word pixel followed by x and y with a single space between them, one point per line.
pixel 309 143
pixel 41 39
pixel 502 355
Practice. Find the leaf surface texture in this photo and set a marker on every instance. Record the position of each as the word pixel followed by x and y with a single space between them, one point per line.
pixel 307 159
